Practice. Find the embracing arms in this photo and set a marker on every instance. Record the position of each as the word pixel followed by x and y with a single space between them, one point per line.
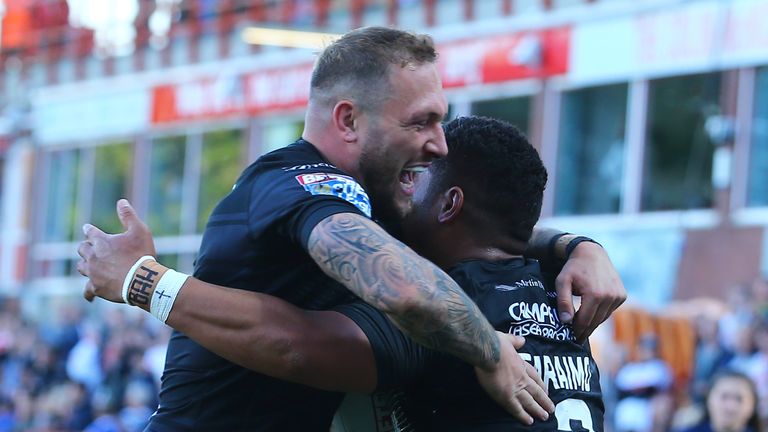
pixel 271 336
pixel 424 301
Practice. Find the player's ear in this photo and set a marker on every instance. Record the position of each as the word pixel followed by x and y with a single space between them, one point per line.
pixel 451 204
pixel 344 116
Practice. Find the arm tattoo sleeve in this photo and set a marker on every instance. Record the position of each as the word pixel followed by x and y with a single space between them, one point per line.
pixel 417 296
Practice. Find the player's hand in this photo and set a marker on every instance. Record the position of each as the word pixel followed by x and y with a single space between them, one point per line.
pixel 590 274
pixel 515 384
pixel 107 258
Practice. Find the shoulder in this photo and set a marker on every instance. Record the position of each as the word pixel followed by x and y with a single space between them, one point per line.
pixel 299 173
pixel 295 175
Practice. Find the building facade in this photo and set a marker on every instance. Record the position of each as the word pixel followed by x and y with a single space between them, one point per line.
pixel 651 117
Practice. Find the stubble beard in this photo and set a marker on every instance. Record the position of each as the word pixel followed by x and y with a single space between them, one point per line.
pixel 380 177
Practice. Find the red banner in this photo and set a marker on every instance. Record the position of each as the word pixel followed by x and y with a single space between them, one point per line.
pixel 532 54
pixel 227 95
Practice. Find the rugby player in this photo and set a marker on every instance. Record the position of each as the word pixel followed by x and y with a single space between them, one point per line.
pixel 474 211
pixel 373 120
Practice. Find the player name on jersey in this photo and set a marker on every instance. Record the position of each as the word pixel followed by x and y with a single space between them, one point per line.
pixel 562 372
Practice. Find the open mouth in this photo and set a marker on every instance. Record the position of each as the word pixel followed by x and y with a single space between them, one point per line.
pixel 408 176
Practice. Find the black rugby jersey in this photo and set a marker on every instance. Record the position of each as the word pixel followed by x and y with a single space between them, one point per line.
pixel 443 393
pixel 256 240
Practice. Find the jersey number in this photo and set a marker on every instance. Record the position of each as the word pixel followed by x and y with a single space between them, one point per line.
pixel 573 415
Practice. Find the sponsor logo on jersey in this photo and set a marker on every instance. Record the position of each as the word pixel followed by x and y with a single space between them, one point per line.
pixel 538 319
pixel 523 283
pixel 309 166
pixel 337 185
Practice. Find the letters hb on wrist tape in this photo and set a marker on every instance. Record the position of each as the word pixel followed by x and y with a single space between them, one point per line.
pixel 152 287
pixel 129 278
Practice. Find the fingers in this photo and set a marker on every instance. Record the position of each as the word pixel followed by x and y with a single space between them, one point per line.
pixel 584 321
pixel 540 391
pixel 519 412
pixel 89 293
pixel 597 312
pixel 91 232
pixel 127 216
pixel 82 267
pixel 85 249
pixel 564 287
pixel 531 395
pixel 533 401
pixel 517 341
pixel 534 375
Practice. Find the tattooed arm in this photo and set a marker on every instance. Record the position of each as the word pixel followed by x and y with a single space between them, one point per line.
pixel 417 296
pixel 427 305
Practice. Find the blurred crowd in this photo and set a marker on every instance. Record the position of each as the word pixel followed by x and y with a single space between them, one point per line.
pixel 79 374
pixel 704 369
pixel 701 366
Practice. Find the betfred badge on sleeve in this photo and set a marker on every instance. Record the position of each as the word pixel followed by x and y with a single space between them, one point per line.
pixel 337 185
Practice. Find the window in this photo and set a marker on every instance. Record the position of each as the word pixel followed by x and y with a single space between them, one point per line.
pixel 678 156
pixel 281 134
pixel 757 189
pixel 220 167
pixel 166 185
pixel 185 177
pixel 110 183
pixel 82 185
pixel 61 195
pixel 590 162
pixel 514 110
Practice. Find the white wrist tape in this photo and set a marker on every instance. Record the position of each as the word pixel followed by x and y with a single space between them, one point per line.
pixel 165 294
pixel 131 272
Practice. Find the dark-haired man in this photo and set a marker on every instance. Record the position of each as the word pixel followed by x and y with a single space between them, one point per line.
pixel 474 212
pixel 300 215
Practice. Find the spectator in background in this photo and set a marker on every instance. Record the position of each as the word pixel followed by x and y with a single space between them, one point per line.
pixel 760 376
pixel 760 298
pixel 731 405
pixel 72 375
pixel 709 357
pixel 83 361
pixel 154 356
pixel 741 314
pixel 135 414
pixel 81 413
pixel 644 386
pixel 104 409
pixel 743 359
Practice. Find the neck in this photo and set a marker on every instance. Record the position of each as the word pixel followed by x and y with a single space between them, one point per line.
pixel 319 131
pixel 332 153
pixel 477 247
